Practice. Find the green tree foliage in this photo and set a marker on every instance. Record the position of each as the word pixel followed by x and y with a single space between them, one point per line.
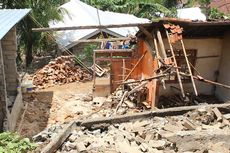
pixel 12 143
pixel 142 8
pixel 42 12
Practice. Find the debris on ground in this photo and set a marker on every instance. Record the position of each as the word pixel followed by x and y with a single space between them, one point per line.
pixel 60 71
pixel 158 134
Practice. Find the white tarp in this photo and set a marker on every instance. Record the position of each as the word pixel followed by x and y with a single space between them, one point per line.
pixel 77 13
pixel 191 13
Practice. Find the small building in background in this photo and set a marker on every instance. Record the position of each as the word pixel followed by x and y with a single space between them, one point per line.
pixel 77 13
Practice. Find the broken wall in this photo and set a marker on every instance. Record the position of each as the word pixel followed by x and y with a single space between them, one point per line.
pixel 207 63
pixel 224 73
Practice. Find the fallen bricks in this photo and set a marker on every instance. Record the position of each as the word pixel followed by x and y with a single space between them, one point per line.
pixel 56 142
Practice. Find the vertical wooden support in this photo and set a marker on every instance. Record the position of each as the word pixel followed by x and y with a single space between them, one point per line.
pixel 158 56
pixel 94 70
pixel 175 62
pixel 161 43
pixel 189 68
pixel 123 71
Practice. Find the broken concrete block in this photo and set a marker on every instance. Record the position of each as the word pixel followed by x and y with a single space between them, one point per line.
pixel 159 144
pixel 144 147
pixel 134 144
pixel 123 147
pixel 188 124
pixel 72 138
pixel 218 114
pixel 81 147
pixel 119 137
pixel 149 136
pixel 226 116
pixel 171 128
pixel 139 140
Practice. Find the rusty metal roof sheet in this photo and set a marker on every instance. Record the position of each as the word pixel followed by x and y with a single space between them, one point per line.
pixel 9 18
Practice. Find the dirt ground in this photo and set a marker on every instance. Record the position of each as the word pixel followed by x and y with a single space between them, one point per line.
pixel 58 104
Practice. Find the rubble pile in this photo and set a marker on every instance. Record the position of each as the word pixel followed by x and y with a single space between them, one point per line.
pixel 60 71
pixel 156 135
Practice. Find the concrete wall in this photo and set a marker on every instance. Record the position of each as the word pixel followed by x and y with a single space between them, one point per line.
pixel 8 77
pixel 224 75
pixel 206 66
pixel 9 49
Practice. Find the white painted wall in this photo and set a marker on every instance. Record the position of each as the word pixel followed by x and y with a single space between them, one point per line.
pixel 224 76
pixel 206 66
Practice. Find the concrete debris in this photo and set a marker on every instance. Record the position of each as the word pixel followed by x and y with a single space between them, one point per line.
pixel 60 71
pixel 150 135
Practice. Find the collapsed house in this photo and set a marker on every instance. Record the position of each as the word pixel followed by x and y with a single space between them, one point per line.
pixel 201 51
pixel 10 96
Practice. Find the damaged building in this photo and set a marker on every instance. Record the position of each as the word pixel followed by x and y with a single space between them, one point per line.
pixel 10 96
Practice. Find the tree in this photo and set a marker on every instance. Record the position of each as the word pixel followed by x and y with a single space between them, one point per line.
pixel 142 8
pixel 42 12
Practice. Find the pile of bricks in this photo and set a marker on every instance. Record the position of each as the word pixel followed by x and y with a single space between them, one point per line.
pixel 60 71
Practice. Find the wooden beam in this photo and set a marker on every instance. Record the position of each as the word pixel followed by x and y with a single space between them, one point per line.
pixel 148 114
pixel 57 141
pixel 207 81
pixel 147 79
pixel 175 63
pixel 90 27
pixel 101 40
pixel 189 68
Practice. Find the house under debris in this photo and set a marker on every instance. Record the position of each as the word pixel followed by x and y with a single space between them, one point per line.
pixel 10 96
pixel 161 52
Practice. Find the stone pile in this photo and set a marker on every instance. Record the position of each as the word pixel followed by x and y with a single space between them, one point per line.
pixel 196 131
pixel 60 71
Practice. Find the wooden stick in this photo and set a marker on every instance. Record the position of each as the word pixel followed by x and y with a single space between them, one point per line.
pixel 59 139
pixel 148 114
pixel 175 62
pixel 161 43
pixel 101 40
pixel 22 119
pixel 90 27
pixel 135 66
pixel 121 101
pixel 147 79
pixel 199 78
pixel 189 68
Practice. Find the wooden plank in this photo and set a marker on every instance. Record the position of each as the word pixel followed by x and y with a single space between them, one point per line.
pixel 161 43
pixel 113 50
pixel 147 79
pixel 101 40
pixel 57 141
pixel 175 63
pixel 189 68
pixel 148 114
pixel 90 27
pixel 207 81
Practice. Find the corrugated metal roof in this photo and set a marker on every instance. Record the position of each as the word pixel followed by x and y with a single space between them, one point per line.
pixel 9 18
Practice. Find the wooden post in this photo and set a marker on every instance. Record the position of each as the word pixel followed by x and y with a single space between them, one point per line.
pixel 161 43
pixel 189 68
pixel 94 70
pixel 175 62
